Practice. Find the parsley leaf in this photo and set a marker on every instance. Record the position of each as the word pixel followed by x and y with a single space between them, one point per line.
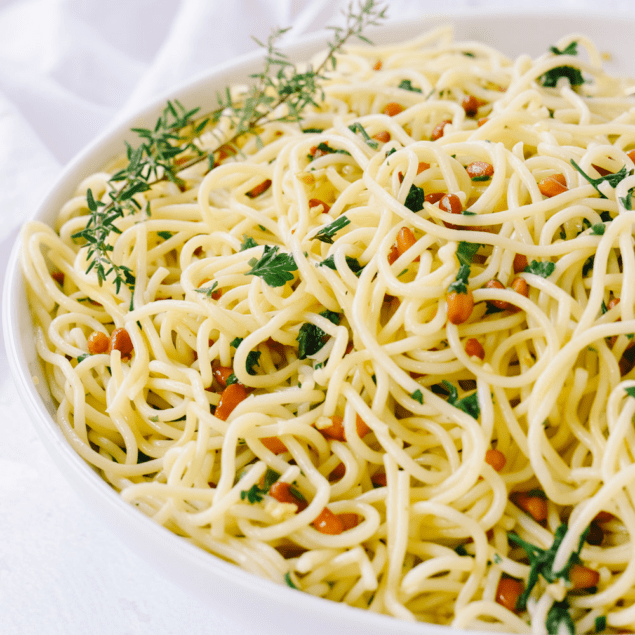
pixel 353 264
pixel 468 404
pixel 542 269
pixel 417 395
pixel 287 577
pixel 600 623
pixel 274 268
pixel 165 235
pixel 466 251
pixel 254 494
pixel 331 316
pixel 326 234
pixel 598 229
pixel 253 358
pixel 611 179
pixel 311 339
pixel 630 391
pixel 414 200
pixel 207 290
pixel 559 615
pixel 551 77
pixel 406 84
pixel 627 201
pixel 81 358
pixel 248 243
pixel 460 284
pixel 357 127
pixel 324 148
pixel 588 265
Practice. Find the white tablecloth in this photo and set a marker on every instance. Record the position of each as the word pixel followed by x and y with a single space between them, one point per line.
pixel 67 69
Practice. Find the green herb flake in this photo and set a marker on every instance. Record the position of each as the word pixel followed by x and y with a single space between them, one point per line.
pixel 415 199
pixel 627 201
pixel 465 252
pixel 248 243
pixel 600 624
pixel 289 581
pixel 207 291
pixel 406 84
pixel 274 268
pixel 253 358
pixel 357 127
pixel 461 551
pixel 542 269
pixel 311 339
pixel 236 342
pixel 611 179
pixel 558 618
pixel 460 283
pixel 551 77
pixel 81 358
pixel 481 177
pixel 497 559
pixel 326 234
pixel 331 316
pixel 165 235
pixel 253 495
pixel 155 419
pixel 316 130
pixel 630 391
pixel 353 264
pixel 232 379
pixel 468 404
pixel 598 229
pixel 417 395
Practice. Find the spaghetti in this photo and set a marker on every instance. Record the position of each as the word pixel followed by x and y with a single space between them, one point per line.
pixel 387 357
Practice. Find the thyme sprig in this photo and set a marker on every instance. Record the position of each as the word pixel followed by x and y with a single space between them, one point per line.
pixel 170 146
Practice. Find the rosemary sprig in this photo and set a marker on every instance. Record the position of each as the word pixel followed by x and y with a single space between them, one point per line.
pixel 169 147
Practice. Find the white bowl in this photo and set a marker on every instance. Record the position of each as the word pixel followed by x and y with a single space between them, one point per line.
pixel 257 603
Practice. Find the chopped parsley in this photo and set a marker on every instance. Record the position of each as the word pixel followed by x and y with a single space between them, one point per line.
pixel 417 395
pixel 588 265
pixel 600 623
pixel 541 561
pixel 165 235
pixel 318 130
pixel 326 234
pixel 481 177
pixel 357 127
pixel 253 358
pixel 248 243
pixel 406 84
pixel 460 283
pixel 466 251
pixel 542 269
pixel 287 575
pixel 611 179
pixel 558 617
pixel 353 264
pixel 468 404
pixel 598 229
pixel 627 201
pixel 324 148
pixel 81 358
pixel 311 339
pixel 415 199
pixel 331 316
pixel 207 291
pixel 274 268
pixel 630 391
pixel 551 77
pixel 254 494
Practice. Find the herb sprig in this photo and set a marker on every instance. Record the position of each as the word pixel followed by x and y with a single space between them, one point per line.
pixel 169 146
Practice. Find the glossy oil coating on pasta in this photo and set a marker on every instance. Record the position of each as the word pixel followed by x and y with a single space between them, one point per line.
pixel 423 409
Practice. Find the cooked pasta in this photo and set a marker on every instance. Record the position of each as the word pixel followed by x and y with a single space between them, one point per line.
pixel 385 356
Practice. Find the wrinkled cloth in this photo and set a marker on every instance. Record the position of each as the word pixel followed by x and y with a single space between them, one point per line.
pixel 68 69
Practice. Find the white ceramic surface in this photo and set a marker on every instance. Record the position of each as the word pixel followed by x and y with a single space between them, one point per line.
pixel 259 604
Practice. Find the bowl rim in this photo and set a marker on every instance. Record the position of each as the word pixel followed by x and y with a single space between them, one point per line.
pixel 68 461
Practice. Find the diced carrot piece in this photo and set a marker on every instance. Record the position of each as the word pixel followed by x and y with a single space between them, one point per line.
pixel 475 349
pixel 120 341
pixel 328 523
pixel 479 170
pixel 405 240
pixel 382 137
pixel 451 203
pixel 316 202
pixel 349 520
pixel 496 459
pixel 460 306
pixel 439 129
pixel 499 304
pixel 508 592
pixel 377 65
pixel 362 428
pixel 434 197
pixel 229 399
pixel 553 185
pixel 470 105
pixel 222 374
pixel 98 343
pixel 534 505
pixel 284 493
pixel 582 577
pixel 393 254
pixel 422 166
pixel 259 189
pixel 273 444
pixel 520 263
pixel 393 109
pixel 482 121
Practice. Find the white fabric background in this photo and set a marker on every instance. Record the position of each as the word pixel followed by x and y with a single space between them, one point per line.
pixel 67 69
